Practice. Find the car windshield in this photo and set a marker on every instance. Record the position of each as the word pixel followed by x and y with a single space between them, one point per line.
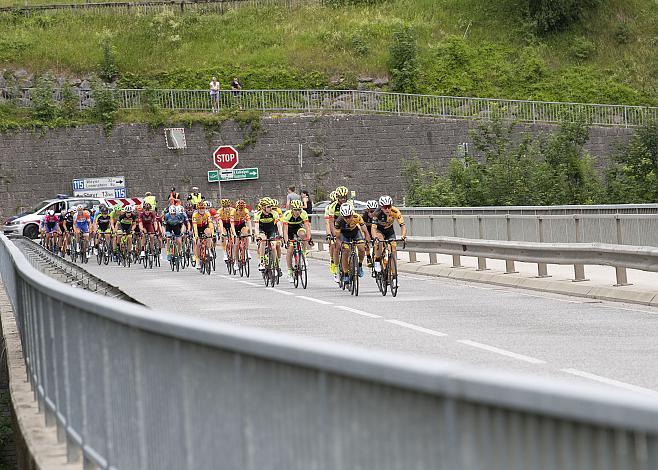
pixel 38 207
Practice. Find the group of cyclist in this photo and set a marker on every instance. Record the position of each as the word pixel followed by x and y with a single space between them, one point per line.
pixel 232 224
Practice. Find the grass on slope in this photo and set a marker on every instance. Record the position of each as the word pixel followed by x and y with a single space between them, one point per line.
pixel 611 57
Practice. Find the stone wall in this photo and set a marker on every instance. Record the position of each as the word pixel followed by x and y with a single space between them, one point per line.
pixel 364 152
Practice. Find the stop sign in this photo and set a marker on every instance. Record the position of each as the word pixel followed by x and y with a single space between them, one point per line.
pixel 225 157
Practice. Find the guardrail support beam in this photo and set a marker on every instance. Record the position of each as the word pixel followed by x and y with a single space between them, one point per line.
pixel 433 259
pixel 456 261
pixel 579 273
pixel 482 262
pixel 622 279
pixel 412 257
pixel 509 264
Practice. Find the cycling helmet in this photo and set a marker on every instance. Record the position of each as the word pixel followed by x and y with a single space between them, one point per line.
pixel 208 204
pixel 79 207
pixel 275 202
pixel 225 202
pixel 51 212
pixel 332 196
pixel 267 202
pixel 172 210
pixel 240 204
pixel 180 209
pixel 385 201
pixel 296 205
pixel 341 191
pixel 188 205
pixel 118 207
pixel 129 209
pixel 346 210
pixel 147 206
pixel 103 209
pixel 201 205
pixel 372 204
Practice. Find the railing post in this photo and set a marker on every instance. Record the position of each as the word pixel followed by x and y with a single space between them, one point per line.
pixel 482 262
pixel 433 259
pixel 412 254
pixel 456 259
pixel 579 269
pixel 509 263
pixel 620 272
pixel 398 103
pixel 542 269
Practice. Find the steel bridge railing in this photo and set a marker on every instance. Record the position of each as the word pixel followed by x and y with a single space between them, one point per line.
pixel 356 101
pixel 132 388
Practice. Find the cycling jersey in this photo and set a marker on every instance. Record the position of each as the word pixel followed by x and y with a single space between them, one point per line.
pixel 195 198
pixel 240 216
pixel 383 221
pixel 50 221
pixel 267 222
pixel 290 219
pixel 126 222
pixel 103 222
pixel 367 218
pixel 115 213
pixel 148 220
pixel 349 228
pixel 224 214
pixel 200 221
pixel 332 211
pixel 150 200
pixel 82 221
pixel 174 223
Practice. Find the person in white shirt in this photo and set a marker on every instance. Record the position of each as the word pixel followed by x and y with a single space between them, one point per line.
pixel 214 94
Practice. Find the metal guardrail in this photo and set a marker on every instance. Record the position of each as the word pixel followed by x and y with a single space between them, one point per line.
pixel 356 101
pixel 536 210
pixel 130 388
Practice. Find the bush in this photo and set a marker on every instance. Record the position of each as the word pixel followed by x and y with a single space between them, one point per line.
pixel 582 49
pixel 105 104
pixel 403 62
pixel 108 67
pixel 622 33
pixel 44 107
pixel 632 177
pixel 554 15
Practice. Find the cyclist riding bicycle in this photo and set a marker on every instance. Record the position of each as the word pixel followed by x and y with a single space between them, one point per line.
pixel 331 213
pixel 240 225
pixel 102 225
pixel 296 225
pixel 202 223
pixel 350 227
pixel 125 225
pixel 149 226
pixel 382 227
pixel 371 206
pixel 267 226
pixel 224 222
pixel 65 225
pixel 81 225
pixel 50 227
pixel 174 223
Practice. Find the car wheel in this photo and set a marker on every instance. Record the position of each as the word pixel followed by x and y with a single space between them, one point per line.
pixel 31 231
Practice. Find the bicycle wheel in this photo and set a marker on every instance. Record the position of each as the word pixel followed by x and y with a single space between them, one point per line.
pixel 295 269
pixel 354 273
pixel 245 257
pixel 393 274
pixel 99 254
pixel 106 254
pixel 303 275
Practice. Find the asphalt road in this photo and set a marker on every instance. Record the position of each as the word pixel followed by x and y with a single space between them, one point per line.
pixel 608 343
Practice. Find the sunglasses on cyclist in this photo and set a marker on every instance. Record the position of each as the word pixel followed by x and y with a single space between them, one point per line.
pixel 386 207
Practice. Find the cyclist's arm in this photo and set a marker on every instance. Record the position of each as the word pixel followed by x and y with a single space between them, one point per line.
pixel 364 230
pixel 307 226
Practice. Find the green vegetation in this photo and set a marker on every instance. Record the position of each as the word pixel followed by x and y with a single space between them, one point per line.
pixel 545 170
pixel 605 53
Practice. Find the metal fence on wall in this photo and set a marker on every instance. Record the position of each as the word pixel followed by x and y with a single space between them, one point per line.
pixel 356 101
pixel 130 388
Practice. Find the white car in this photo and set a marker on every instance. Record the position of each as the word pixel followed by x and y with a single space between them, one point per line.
pixel 27 223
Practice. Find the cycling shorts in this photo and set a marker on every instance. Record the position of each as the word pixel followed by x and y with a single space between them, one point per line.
pixel 239 227
pixel 351 237
pixel 201 228
pixel 149 228
pixel 292 231
pixel 123 230
pixel 270 233
pixel 389 233
pixel 51 229
pixel 227 226
pixel 104 228
pixel 174 231
pixel 82 225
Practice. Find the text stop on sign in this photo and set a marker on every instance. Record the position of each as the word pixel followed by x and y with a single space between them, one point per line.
pixel 225 157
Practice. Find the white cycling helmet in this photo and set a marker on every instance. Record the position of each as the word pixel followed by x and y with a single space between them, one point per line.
pixel 172 210
pixel 346 210
pixel 208 204
pixel 180 209
pixel 385 201
pixel 79 207
pixel 129 209
pixel 372 204
pixel 51 212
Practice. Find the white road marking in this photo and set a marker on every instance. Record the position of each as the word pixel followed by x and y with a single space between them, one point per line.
pixel 280 291
pixel 311 299
pixel 228 277
pixel 416 327
pixel 504 352
pixel 249 283
pixel 613 382
pixel 358 312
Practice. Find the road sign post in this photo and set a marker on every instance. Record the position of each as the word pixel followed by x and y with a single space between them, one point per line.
pixel 225 157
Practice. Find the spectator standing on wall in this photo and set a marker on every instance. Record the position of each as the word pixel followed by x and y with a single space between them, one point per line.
pixel 214 94
pixel 292 196
pixel 236 87
pixel 306 200
pixel 195 196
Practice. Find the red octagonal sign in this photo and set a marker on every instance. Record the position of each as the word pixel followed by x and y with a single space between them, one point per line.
pixel 225 157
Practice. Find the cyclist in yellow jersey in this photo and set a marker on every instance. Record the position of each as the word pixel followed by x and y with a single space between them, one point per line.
pixel 201 223
pixel 331 213
pixel 276 207
pixel 267 226
pixel 224 222
pixel 382 227
pixel 350 227
pixel 240 226
pixel 295 225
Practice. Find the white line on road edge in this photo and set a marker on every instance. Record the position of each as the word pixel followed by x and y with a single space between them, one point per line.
pixel 416 327
pixel 280 291
pixel 608 381
pixel 249 283
pixel 311 299
pixel 504 352
pixel 358 312
pixel 228 277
